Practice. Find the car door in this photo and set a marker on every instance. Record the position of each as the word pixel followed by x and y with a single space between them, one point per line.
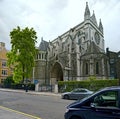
pixel 106 106
pixel 80 93
pixel 75 94
pixel 105 113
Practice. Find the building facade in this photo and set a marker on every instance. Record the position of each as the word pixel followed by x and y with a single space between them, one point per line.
pixel 40 71
pixel 76 54
pixel 5 71
pixel 114 63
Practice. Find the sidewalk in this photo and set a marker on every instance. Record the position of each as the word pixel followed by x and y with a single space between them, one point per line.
pixel 6 113
pixel 30 92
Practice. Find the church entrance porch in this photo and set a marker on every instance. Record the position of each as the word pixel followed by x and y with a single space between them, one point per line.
pixel 56 73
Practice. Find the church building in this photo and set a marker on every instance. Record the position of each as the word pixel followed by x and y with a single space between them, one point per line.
pixel 77 54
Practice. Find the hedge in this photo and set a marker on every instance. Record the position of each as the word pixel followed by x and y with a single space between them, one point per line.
pixel 22 86
pixel 93 85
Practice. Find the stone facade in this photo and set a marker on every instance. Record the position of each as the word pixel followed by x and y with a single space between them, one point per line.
pixel 40 71
pixel 77 54
pixel 114 63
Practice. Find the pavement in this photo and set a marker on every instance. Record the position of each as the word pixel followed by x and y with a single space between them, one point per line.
pixel 7 113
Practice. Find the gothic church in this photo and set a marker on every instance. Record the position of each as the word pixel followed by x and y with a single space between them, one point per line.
pixel 75 55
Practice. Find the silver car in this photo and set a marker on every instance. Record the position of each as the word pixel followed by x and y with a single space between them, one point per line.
pixel 77 93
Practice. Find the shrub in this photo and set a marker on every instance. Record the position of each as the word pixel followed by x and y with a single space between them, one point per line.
pixel 22 86
pixel 89 84
pixel 8 82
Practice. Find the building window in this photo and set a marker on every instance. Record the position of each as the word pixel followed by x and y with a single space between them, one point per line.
pixel 97 68
pixel 68 48
pixel 4 72
pixel 2 81
pixel 112 70
pixel 42 56
pixel 86 68
pixel 4 64
pixel 39 56
pixel 112 61
pixel 79 41
pixel 79 48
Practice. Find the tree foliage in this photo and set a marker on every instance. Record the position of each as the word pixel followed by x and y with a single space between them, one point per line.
pixel 22 53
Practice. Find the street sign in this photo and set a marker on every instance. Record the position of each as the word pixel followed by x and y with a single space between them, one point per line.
pixel 35 81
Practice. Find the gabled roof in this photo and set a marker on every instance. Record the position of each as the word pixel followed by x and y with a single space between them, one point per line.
pixel 43 45
pixel 93 48
pixel 93 19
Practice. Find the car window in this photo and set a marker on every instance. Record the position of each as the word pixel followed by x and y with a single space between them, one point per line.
pixel 75 90
pixel 106 99
pixel 79 90
pixel 82 90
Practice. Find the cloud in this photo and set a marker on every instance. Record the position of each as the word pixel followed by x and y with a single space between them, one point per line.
pixel 52 18
pixel 109 13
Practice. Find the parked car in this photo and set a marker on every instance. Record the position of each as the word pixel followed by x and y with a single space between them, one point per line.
pixel 77 93
pixel 104 104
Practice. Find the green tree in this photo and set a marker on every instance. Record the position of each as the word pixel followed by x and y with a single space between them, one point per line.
pixel 22 53
pixel 8 81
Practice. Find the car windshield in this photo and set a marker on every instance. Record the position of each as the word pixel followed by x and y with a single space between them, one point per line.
pixel 88 96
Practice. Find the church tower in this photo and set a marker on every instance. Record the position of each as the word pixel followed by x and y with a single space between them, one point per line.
pixel 78 53
pixel 93 32
pixel 93 61
pixel 87 12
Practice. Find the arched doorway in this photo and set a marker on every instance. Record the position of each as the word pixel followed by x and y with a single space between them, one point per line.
pixel 56 73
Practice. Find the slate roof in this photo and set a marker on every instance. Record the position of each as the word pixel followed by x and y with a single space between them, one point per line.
pixel 43 45
pixel 93 48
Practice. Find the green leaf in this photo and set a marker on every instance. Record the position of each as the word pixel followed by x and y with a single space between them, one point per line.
pixel 22 53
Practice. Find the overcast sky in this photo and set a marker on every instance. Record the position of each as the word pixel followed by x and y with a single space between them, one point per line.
pixel 51 18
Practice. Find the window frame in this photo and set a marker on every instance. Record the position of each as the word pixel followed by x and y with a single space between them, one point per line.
pixel 4 63
pixel 4 72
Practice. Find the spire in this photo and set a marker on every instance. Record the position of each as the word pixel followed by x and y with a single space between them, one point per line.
pixel 43 45
pixel 41 39
pixel 93 18
pixel 87 12
pixel 100 26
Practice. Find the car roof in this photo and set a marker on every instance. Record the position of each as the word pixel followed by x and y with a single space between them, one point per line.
pixel 112 88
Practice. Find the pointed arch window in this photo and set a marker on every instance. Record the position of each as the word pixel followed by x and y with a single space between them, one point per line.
pixel 86 68
pixel 79 41
pixel 97 67
pixel 68 48
pixel 39 57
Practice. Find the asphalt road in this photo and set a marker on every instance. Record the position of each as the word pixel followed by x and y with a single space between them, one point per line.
pixel 45 107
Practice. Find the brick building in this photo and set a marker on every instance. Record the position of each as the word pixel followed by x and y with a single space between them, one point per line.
pixel 5 71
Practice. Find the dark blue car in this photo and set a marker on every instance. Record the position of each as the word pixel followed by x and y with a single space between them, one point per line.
pixel 104 104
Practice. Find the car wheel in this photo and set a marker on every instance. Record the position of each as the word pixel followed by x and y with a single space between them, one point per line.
pixel 66 97
pixel 75 117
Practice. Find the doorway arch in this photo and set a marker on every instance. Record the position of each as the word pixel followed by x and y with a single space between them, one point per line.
pixel 56 73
